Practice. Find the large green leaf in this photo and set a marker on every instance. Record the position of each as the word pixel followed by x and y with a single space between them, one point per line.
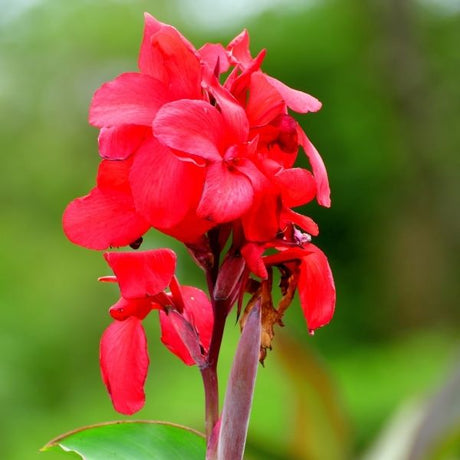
pixel 128 440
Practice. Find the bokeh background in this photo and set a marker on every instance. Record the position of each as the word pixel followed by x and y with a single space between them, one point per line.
pixel 382 380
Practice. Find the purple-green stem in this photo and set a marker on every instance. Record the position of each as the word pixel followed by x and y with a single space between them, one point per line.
pixel 209 371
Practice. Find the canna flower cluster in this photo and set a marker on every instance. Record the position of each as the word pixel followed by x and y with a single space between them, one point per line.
pixel 200 145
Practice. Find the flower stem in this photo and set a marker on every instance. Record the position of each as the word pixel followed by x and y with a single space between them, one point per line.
pixel 211 392
pixel 211 383
pixel 209 372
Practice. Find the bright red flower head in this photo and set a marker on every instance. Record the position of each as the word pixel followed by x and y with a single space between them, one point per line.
pixel 196 153
pixel 208 159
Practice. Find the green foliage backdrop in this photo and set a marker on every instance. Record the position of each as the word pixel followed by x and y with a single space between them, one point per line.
pixel 387 74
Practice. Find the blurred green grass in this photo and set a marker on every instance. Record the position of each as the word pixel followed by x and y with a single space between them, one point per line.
pixel 391 235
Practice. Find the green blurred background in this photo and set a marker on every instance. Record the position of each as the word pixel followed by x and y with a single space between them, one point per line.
pixel 388 75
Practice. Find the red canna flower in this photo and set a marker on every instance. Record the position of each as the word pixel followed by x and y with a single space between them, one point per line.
pixel 184 313
pixel 303 264
pixel 314 282
pixel 201 145
pixel 303 268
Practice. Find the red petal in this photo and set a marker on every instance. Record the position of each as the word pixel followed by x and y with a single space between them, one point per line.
pixel 275 153
pixel 286 137
pixel 194 127
pixel 319 170
pixel 261 222
pixel 296 100
pixel 265 102
pixel 103 219
pixel 297 186
pixel 316 289
pixel 125 308
pixel 172 340
pixel 190 229
pixel 132 98
pixel 188 335
pixel 307 224
pixel 239 49
pixel 252 254
pixel 119 142
pixel 124 363
pixel 107 279
pixel 106 217
pixel 227 194
pixel 151 27
pixel 164 188
pixel 175 62
pixel 198 309
pixel 144 273
pixel 195 323
pixel 238 85
pixel 113 175
pixel 215 57
pixel 236 121
pixel 287 255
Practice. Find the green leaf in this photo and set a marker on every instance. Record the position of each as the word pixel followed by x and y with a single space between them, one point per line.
pixel 132 440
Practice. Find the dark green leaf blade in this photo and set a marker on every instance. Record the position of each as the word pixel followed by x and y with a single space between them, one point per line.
pixel 133 440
